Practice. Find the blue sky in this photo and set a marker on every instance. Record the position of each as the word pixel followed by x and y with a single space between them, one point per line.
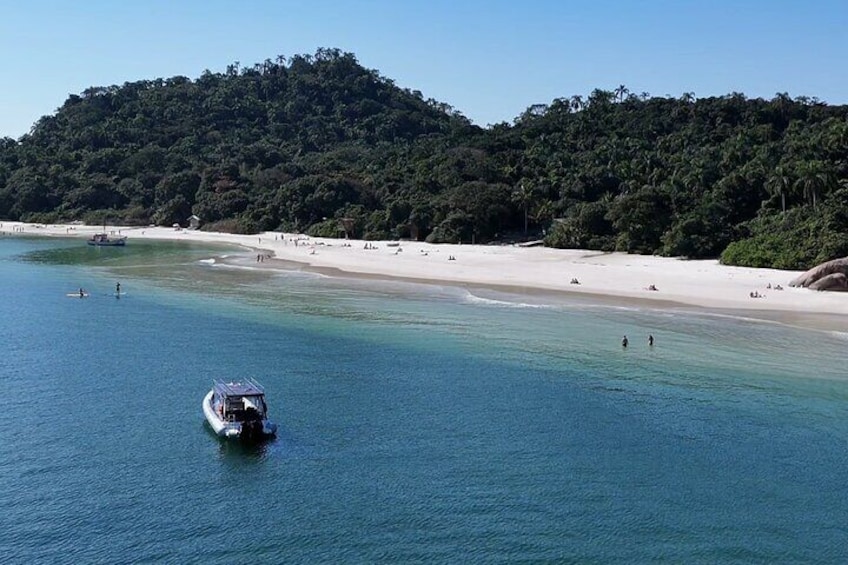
pixel 489 59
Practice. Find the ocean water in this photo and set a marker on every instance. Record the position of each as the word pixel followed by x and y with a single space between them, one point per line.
pixel 417 423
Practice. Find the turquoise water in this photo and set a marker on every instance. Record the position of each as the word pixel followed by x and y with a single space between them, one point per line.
pixel 418 423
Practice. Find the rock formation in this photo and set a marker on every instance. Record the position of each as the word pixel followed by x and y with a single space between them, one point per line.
pixel 832 275
pixel 834 281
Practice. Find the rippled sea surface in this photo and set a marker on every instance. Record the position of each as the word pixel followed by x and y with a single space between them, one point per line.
pixel 418 423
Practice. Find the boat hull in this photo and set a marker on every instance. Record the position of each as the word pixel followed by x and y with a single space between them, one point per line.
pixel 116 243
pixel 235 430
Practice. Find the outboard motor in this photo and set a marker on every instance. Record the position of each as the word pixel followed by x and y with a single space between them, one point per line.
pixel 251 430
pixel 251 426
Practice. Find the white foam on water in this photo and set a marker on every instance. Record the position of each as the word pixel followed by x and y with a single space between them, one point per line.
pixel 471 298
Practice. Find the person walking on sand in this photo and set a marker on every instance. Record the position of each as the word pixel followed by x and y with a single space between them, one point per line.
pixel 624 341
pixel 650 340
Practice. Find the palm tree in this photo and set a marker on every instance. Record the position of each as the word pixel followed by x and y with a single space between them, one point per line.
pixel 814 178
pixel 782 105
pixel 621 92
pixel 601 97
pixel 543 211
pixel 577 102
pixel 523 195
pixel 779 183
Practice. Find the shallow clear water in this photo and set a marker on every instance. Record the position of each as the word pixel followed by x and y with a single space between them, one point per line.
pixel 418 423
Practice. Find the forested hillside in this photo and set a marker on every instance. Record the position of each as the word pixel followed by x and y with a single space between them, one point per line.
pixel 299 143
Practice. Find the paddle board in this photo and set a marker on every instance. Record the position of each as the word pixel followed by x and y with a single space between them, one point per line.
pixel 77 295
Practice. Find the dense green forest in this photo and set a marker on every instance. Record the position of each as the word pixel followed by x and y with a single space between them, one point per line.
pixel 299 143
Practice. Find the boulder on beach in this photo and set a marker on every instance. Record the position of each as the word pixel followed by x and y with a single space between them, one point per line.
pixel 833 281
pixel 819 272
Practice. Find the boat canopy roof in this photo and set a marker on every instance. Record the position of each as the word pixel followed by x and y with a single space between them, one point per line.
pixel 246 387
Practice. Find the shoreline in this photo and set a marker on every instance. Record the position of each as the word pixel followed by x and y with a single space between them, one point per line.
pixel 699 285
pixel 820 321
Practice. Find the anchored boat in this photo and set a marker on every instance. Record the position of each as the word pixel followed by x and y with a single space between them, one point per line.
pixel 238 410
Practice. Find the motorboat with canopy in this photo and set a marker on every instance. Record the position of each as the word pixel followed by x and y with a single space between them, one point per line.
pixel 238 410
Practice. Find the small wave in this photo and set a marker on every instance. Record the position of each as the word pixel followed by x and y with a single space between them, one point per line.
pixel 735 317
pixel 474 299
pixel 754 320
pixel 839 335
pixel 207 261
pixel 598 307
pixel 562 304
pixel 237 267
pixel 283 273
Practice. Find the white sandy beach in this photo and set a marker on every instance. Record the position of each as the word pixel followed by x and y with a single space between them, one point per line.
pixel 702 283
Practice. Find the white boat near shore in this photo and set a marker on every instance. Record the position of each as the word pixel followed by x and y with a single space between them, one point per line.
pixel 104 240
pixel 238 410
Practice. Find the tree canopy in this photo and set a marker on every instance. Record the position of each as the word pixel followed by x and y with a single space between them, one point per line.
pixel 301 143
